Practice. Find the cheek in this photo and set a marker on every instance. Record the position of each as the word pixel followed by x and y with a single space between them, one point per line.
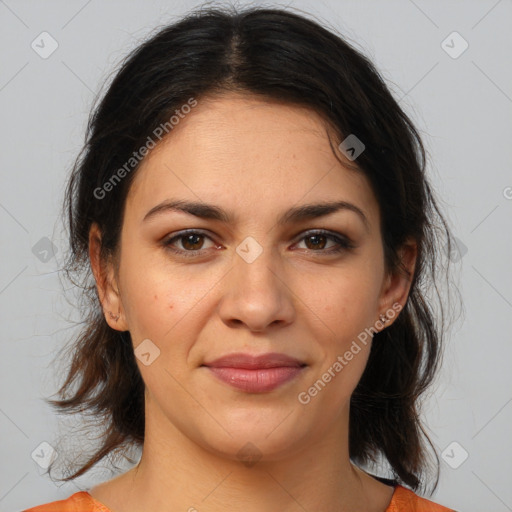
pixel 161 303
pixel 344 352
pixel 147 303
pixel 348 303
pixel 153 313
pixel 147 297
pixel 348 312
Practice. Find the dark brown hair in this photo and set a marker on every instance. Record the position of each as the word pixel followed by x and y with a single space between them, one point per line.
pixel 278 55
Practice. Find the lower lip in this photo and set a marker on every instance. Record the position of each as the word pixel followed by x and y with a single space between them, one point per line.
pixel 256 381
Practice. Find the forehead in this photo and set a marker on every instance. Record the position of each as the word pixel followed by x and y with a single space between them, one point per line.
pixel 237 150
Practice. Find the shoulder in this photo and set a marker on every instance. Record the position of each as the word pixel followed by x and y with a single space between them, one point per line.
pixel 79 502
pixel 405 500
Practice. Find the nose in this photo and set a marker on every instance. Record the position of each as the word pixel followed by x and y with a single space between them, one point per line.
pixel 256 294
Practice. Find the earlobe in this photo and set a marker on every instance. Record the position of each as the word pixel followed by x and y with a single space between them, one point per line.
pixel 114 317
pixel 115 321
pixel 104 275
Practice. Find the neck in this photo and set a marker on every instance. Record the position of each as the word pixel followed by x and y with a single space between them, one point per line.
pixel 176 472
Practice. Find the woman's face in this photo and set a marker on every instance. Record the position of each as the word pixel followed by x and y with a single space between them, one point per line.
pixel 251 279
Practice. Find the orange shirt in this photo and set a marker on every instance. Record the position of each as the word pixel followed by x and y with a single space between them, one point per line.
pixel 403 500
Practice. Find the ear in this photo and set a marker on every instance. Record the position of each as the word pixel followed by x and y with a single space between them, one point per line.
pixel 106 284
pixel 396 286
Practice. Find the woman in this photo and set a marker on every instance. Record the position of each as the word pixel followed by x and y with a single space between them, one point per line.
pixel 253 207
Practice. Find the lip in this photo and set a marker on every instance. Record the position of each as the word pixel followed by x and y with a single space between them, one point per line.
pixel 250 362
pixel 255 374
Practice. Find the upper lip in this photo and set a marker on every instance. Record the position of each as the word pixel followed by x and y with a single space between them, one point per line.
pixel 250 362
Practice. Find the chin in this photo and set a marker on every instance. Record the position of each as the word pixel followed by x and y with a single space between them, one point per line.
pixel 266 438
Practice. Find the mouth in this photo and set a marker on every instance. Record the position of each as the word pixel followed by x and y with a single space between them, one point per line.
pixel 256 374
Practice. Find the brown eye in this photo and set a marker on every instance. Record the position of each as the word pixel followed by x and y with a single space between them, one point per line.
pixel 317 241
pixel 191 242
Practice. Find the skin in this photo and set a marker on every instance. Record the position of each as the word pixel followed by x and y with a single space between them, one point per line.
pixel 256 159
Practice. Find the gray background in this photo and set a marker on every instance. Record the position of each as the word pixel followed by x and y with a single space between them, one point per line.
pixel 463 109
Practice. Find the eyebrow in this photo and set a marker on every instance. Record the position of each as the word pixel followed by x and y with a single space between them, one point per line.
pixel 293 215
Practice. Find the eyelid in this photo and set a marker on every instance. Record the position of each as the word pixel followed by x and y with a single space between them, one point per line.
pixel 167 241
pixel 326 232
pixel 343 242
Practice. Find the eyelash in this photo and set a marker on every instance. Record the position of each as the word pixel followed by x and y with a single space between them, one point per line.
pixel 343 243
